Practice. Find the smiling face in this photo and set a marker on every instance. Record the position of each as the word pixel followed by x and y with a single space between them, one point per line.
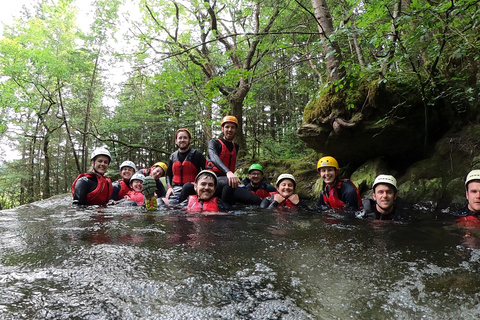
pixel 183 141
pixel 285 188
pixel 229 129
pixel 127 173
pixel 157 172
pixel 328 175
pixel 137 185
pixel 205 187
pixel 385 196
pixel 100 164
pixel 255 176
pixel 473 196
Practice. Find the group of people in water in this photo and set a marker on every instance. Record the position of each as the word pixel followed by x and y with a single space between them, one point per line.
pixel 211 186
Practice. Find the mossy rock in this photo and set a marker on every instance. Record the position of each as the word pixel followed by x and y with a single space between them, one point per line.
pixel 364 176
pixel 421 190
pixel 455 192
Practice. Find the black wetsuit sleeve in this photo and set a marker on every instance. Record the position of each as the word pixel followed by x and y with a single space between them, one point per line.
pixel 199 161
pixel 161 192
pixel 83 187
pixel 321 203
pixel 169 174
pixel 115 190
pixel 214 150
pixel 348 194
pixel 268 203
pixel 270 188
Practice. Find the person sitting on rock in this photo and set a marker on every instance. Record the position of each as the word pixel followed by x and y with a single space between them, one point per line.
pixel 385 204
pixel 470 215
pixel 336 193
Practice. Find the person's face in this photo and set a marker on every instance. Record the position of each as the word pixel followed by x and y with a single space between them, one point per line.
pixel 100 164
pixel 183 140
pixel 127 173
pixel 328 174
pixel 385 197
pixel 137 185
pixel 473 196
pixel 157 172
pixel 205 187
pixel 255 177
pixel 286 188
pixel 229 130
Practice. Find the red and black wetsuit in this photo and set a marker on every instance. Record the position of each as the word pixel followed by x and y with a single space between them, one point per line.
pixel 120 189
pixel 344 195
pixel 467 217
pixel 269 202
pixel 222 156
pixel 195 205
pixel 91 188
pixel 183 167
pixel 262 191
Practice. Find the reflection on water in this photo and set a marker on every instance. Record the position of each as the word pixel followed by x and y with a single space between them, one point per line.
pixel 57 262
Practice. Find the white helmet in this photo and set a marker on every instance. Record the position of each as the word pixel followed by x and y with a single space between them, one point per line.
pixel 385 179
pixel 101 152
pixel 208 172
pixel 137 176
pixel 472 175
pixel 284 176
pixel 128 163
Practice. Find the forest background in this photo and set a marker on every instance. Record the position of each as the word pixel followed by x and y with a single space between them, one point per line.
pixel 144 68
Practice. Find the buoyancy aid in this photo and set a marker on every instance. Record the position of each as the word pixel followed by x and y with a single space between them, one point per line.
pixel 262 193
pixel 287 203
pixel 228 158
pixel 330 195
pixel 136 196
pixel 469 221
pixel 124 189
pixel 185 171
pixel 101 194
pixel 196 205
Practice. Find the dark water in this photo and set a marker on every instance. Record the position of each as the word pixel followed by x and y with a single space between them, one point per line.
pixel 119 263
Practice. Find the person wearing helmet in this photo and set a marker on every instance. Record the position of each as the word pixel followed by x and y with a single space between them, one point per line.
pixel 470 214
pixel 284 196
pixel 93 188
pixel 336 193
pixel 256 184
pixel 183 166
pixel 135 196
pixel 153 187
pixel 204 200
pixel 122 186
pixel 385 204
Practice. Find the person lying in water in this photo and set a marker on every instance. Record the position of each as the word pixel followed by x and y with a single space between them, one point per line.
pixel 204 201
pixel 285 196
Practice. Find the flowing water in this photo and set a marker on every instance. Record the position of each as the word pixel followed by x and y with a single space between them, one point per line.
pixel 59 262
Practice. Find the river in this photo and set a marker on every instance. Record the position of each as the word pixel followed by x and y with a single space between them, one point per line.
pixel 58 262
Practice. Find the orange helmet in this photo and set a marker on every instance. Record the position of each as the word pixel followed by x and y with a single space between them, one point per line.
pixel 183 129
pixel 229 119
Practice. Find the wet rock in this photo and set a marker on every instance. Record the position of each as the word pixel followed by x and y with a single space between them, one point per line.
pixel 364 176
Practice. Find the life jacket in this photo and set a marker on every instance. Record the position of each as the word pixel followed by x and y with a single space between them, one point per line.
pixel 185 171
pixel 196 205
pixel 330 196
pixel 136 196
pixel 262 193
pixel 286 203
pixel 102 193
pixel 124 189
pixel 228 158
pixel 469 221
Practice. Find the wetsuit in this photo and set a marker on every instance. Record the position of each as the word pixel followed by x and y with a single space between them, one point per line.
pixel 467 218
pixel 183 167
pixel 370 211
pixel 120 189
pixel 161 192
pixel 262 191
pixel 91 189
pixel 344 195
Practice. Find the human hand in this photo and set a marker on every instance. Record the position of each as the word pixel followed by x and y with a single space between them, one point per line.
pixel 233 180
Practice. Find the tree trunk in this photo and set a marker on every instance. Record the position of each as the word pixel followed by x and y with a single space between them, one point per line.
pixel 331 50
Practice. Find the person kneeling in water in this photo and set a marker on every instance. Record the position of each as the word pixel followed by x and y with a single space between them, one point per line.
pixel 204 201
pixel 284 196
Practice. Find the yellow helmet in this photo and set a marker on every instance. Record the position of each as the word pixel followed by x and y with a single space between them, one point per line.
pixel 161 165
pixel 327 162
pixel 232 119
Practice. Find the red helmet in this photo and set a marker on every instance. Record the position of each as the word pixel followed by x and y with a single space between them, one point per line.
pixel 229 119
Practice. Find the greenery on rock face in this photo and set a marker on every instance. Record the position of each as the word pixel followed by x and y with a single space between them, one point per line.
pixel 63 91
